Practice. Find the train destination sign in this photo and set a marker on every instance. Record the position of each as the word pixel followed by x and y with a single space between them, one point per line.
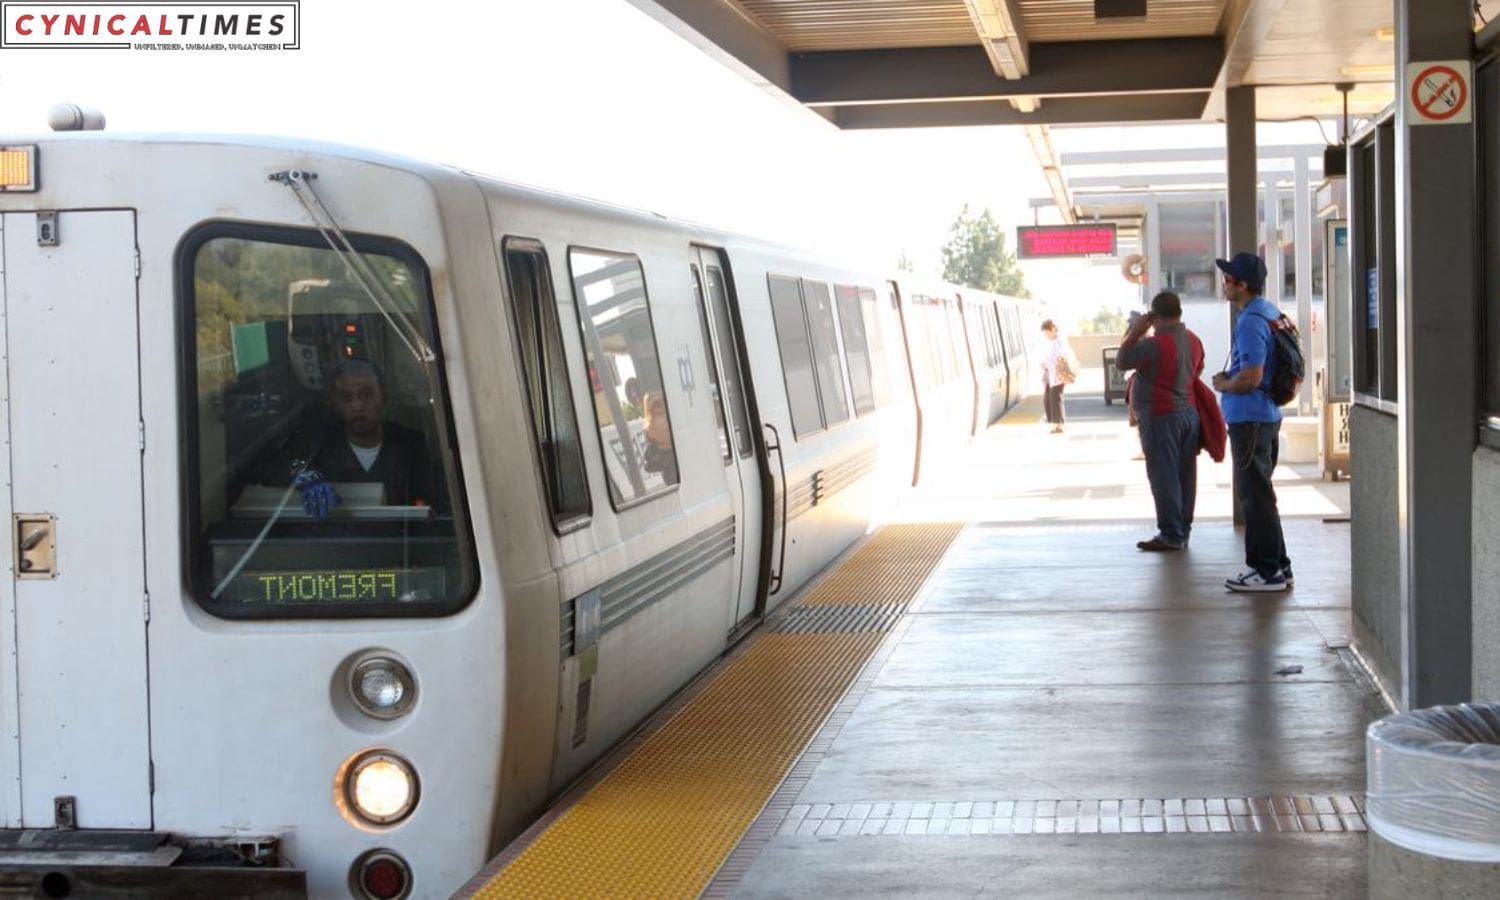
pixel 1051 241
pixel 336 586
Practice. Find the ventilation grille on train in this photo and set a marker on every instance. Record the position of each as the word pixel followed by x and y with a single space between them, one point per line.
pixel 581 713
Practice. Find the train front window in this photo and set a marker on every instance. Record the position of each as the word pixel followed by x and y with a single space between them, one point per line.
pixel 323 480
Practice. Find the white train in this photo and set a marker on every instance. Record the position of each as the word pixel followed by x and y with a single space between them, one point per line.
pixel 359 504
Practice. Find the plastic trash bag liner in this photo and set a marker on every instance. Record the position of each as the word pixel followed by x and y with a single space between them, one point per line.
pixel 1434 781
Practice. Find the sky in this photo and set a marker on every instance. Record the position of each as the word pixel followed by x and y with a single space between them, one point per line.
pixel 593 98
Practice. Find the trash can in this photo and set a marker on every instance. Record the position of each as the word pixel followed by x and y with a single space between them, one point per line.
pixel 1114 379
pixel 1433 802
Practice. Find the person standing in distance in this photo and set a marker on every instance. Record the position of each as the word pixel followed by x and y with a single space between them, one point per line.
pixel 1166 366
pixel 1254 424
pixel 1055 369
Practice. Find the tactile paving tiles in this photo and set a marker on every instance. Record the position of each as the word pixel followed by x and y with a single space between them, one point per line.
pixel 1195 815
pixel 661 823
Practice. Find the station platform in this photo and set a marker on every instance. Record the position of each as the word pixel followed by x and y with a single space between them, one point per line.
pixel 995 693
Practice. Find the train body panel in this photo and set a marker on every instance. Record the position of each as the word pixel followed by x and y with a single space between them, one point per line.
pixel 623 440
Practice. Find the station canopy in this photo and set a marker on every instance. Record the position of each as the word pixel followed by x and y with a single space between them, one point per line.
pixel 930 63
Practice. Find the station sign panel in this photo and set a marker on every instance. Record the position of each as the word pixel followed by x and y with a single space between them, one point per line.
pixel 1058 241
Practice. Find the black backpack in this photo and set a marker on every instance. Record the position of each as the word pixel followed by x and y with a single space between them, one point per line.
pixel 1288 372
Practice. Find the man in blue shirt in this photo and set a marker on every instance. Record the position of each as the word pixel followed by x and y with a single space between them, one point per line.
pixel 1254 424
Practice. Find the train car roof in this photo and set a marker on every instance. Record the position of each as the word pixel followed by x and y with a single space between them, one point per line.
pixel 440 171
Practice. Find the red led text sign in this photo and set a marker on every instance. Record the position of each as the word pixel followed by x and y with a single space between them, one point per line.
pixel 1047 241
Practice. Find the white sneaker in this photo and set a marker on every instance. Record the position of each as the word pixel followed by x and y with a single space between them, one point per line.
pixel 1254 582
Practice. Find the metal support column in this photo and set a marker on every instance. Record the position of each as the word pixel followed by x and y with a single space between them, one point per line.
pixel 1275 228
pixel 1302 218
pixel 1239 158
pixel 1437 328
pixel 1151 238
pixel 1239 161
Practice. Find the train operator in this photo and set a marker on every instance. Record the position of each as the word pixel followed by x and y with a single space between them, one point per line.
pixel 361 445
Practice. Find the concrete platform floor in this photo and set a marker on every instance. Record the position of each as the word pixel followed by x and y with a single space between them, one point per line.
pixel 1062 715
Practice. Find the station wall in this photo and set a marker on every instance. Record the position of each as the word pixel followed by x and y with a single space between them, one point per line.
pixel 1375 554
pixel 1486 575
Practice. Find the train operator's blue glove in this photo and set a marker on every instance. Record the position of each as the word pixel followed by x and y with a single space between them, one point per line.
pixel 318 496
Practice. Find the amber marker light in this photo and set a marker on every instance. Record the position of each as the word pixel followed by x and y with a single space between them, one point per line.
pixel 379 787
pixel 18 168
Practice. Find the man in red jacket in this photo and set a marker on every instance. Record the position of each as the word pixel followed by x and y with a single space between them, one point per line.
pixel 1166 366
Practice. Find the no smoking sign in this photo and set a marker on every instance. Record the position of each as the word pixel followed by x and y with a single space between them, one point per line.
pixel 1438 93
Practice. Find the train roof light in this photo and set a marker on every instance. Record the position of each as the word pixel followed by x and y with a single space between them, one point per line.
pixel 18 168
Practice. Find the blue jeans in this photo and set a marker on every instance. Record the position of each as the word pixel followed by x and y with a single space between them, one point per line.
pixel 1254 447
pixel 1170 444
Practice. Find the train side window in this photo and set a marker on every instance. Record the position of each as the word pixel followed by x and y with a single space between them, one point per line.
pixel 796 355
pixel 983 325
pixel 957 360
pixel 630 403
pixel 820 319
pixel 942 338
pixel 880 384
pixel 321 471
pixel 992 334
pixel 544 369
pixel 734 382
pixel 725 450
pixel 856 348
pixel 923 351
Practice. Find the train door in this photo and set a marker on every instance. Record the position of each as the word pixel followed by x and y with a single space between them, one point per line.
pixel 965 312
pixel 742 468
pixel 73 687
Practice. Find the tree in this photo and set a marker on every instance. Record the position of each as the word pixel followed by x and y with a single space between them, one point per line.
pixel 1104 321
pixel 975 256
pixel 905 264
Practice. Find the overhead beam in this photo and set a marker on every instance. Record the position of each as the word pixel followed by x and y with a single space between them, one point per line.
pixel 1146 182
pixel 1248 25
pixel 1087 202
pixel 1046 157
pixel 1065 69
pixel 1059 111
pixel 998 25
pixel 1186 154
pixel 727 35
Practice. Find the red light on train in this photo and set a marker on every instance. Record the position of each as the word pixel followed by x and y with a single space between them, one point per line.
pixel 382 875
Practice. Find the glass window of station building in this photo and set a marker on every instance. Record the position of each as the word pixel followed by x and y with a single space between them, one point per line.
pixel 1190 231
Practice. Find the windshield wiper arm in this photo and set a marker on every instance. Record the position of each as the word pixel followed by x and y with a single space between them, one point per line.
pixel 358 267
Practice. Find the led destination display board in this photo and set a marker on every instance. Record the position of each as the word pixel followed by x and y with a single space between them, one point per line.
pixel 1050 241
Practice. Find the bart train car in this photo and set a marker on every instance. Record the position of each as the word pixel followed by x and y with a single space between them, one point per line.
pixel 360 504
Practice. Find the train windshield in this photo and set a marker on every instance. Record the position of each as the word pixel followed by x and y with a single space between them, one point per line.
pixel 322 478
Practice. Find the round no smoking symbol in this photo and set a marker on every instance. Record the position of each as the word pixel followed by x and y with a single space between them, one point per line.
pixel 1439 93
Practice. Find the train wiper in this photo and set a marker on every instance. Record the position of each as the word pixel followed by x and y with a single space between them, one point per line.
pixel 234 570
pixel 358 267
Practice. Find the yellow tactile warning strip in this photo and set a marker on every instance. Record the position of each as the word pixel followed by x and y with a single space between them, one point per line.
pixel 1028 412
pixel 889 568
pixel 661 823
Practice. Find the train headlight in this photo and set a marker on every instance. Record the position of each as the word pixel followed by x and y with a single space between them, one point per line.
pixel 382 687
pixel 380 787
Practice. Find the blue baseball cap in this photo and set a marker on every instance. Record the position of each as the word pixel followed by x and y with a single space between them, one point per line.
pixel 1246 267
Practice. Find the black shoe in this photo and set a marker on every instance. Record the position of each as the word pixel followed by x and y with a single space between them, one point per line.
pixel 1157 545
